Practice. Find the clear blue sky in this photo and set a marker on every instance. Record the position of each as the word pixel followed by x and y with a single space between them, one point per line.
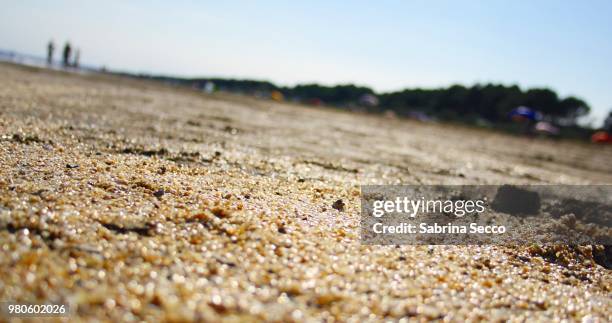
pixel 387 45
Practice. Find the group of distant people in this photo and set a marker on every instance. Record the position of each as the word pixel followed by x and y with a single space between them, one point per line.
pixel 68 60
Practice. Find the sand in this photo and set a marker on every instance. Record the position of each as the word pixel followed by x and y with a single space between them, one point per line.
pixel 135 200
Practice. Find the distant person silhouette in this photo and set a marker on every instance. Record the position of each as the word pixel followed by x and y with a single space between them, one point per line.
pixel 50 48
pixel 67 51
pixel 608 123
pixel 77 56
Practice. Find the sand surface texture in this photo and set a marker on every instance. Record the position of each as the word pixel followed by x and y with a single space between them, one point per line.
pixel 135 200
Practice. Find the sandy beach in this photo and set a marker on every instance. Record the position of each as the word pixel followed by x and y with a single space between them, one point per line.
pixel 133 200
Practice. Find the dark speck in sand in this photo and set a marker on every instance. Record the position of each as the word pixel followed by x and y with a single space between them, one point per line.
pixel 159 193
pixel 338 205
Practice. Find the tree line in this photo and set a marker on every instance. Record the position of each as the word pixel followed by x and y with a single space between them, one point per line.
pixel 489 102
